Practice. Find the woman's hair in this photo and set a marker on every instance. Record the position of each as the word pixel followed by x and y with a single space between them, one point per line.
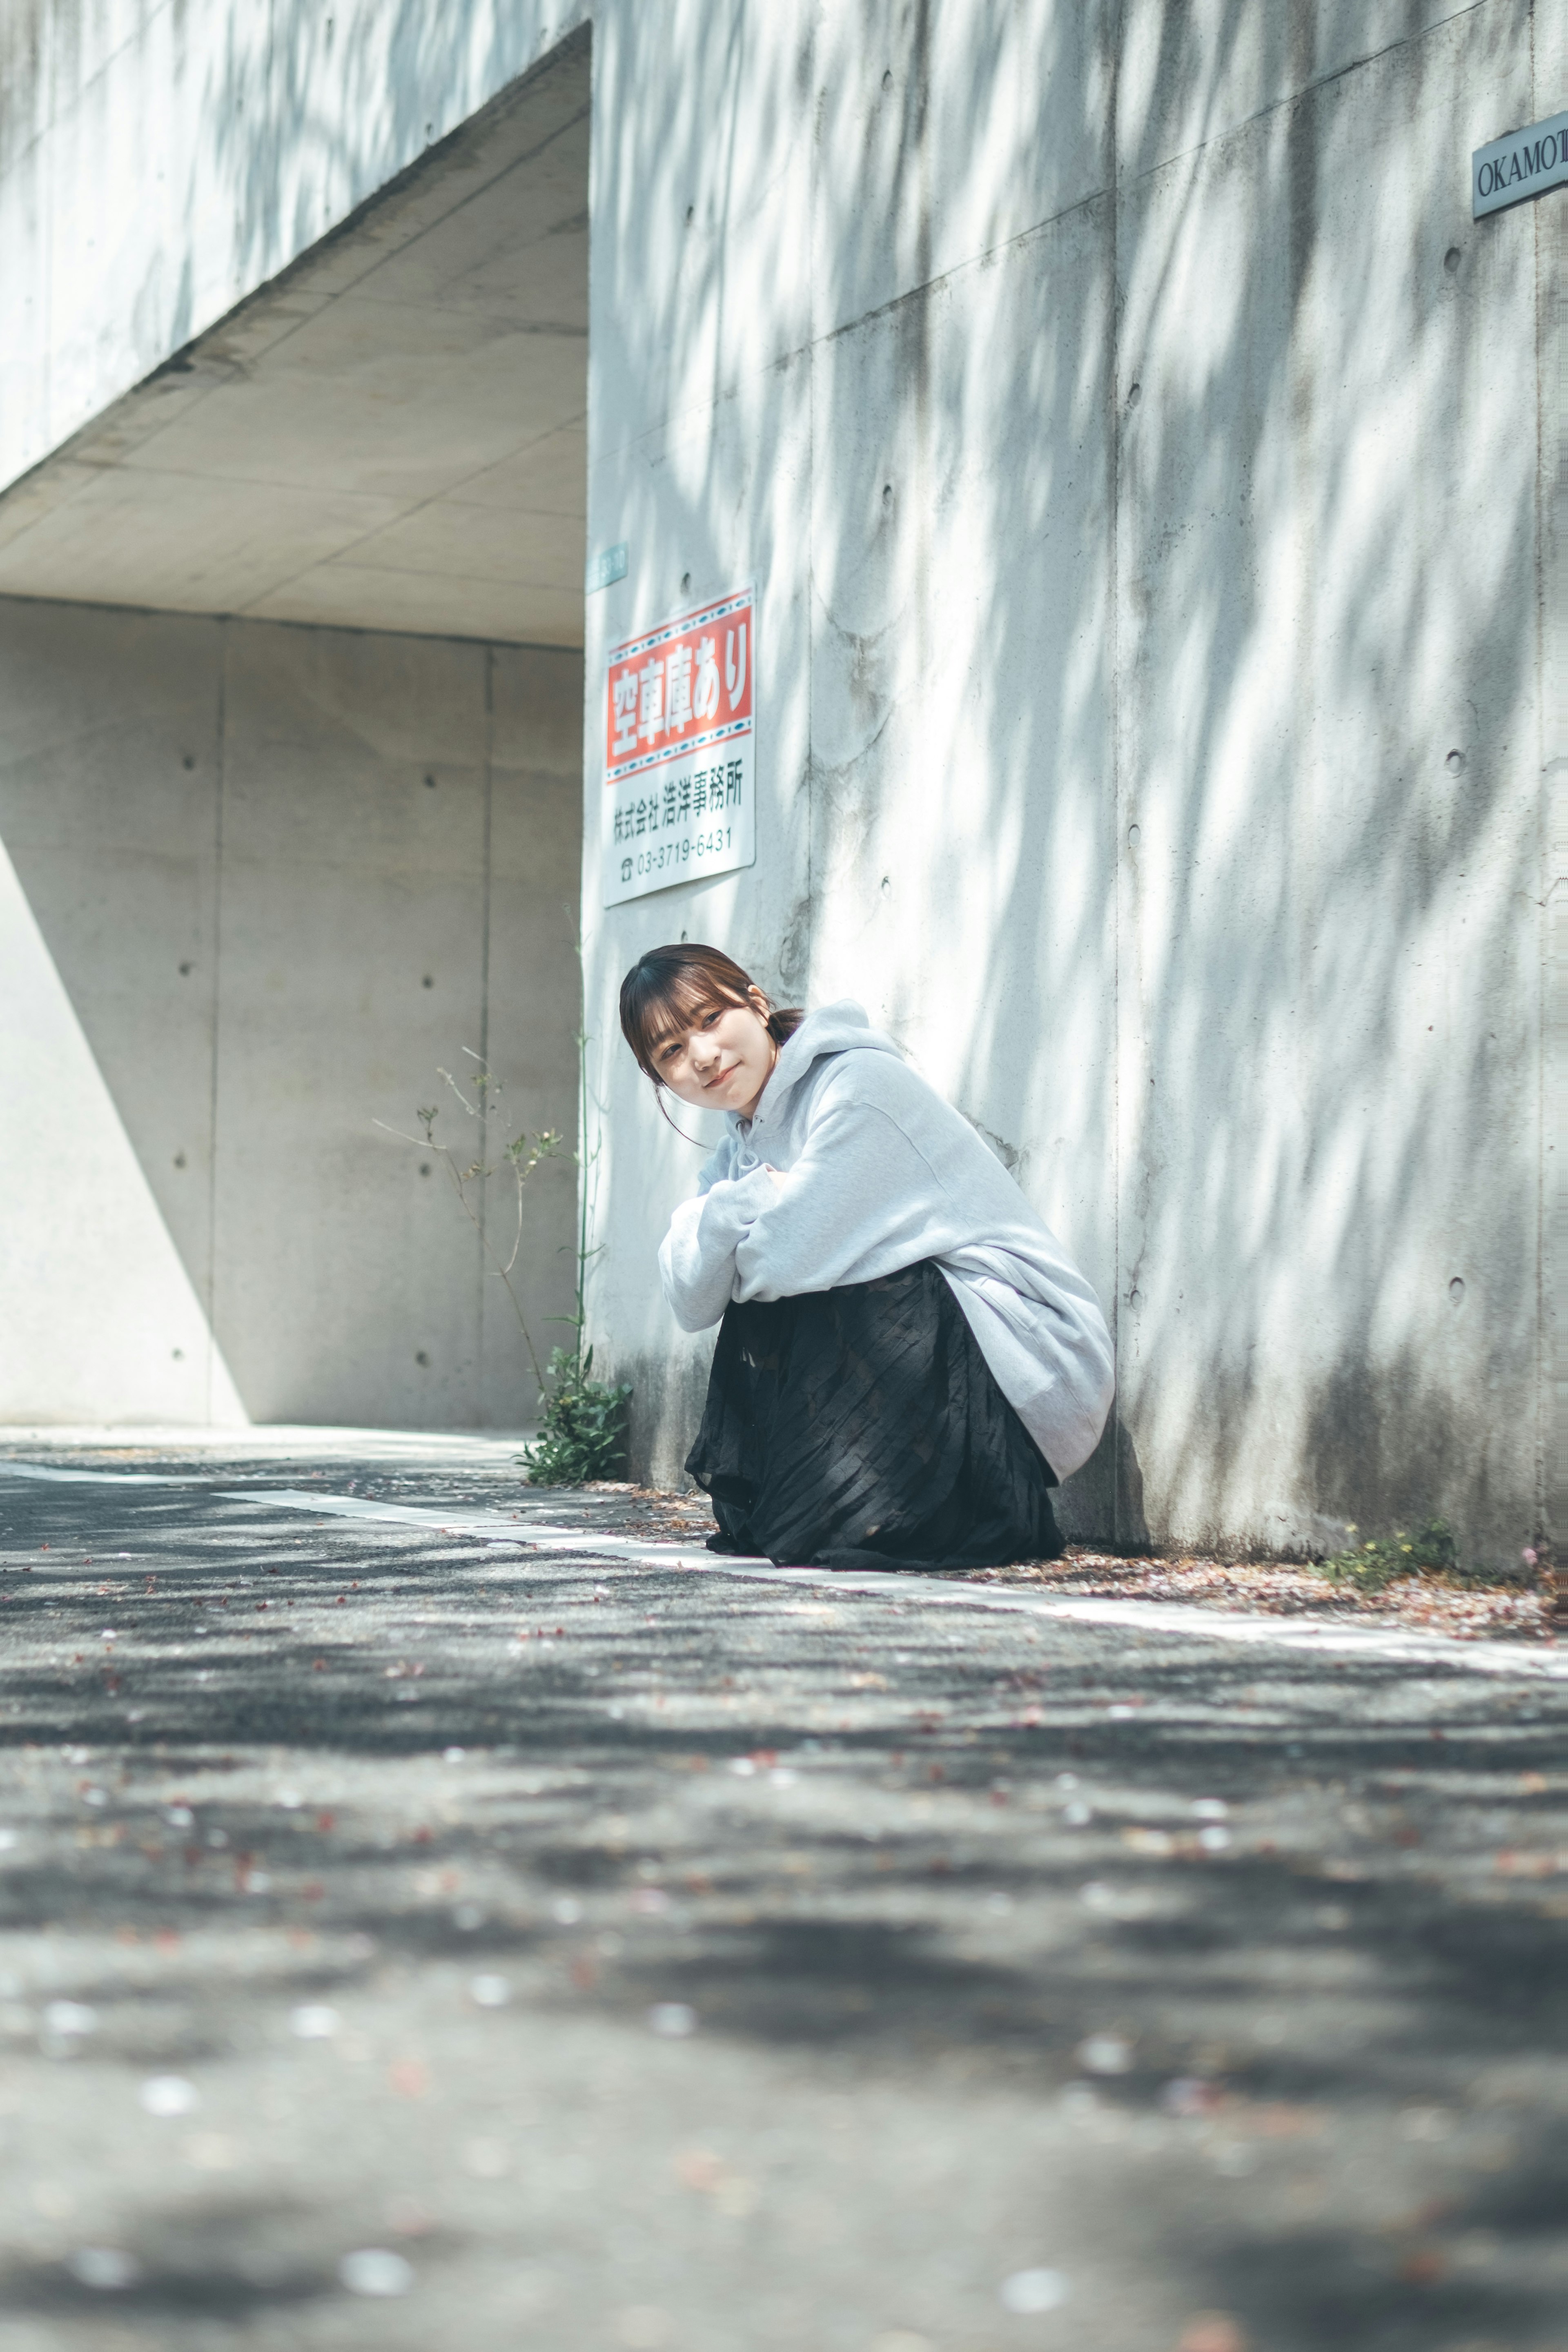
pixel 670 988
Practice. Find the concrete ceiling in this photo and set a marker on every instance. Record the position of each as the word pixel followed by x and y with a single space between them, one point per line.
pixel 391 435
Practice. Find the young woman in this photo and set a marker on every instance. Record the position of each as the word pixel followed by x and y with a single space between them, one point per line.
pixel 907 1361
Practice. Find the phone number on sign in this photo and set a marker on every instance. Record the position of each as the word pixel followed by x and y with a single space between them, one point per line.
pixel 677 853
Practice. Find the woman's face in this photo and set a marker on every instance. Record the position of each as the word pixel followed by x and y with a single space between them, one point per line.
pixel 723 1060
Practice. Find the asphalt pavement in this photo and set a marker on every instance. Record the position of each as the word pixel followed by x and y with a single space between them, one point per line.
pixel 439 1915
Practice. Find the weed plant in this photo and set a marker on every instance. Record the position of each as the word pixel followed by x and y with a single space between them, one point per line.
pixel 581 1420
pixel 1427 1550
pixel 582 1424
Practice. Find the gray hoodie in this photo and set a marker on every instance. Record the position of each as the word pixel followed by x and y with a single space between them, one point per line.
pixel 879 1172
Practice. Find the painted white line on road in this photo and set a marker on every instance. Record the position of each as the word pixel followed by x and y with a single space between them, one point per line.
pixel 1179 1617
pixel 492 1525
pixel 1319 1634
pixel 98 1477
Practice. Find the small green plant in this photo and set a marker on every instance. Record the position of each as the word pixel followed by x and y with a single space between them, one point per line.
pixel 582 1424
pixel 1428 1550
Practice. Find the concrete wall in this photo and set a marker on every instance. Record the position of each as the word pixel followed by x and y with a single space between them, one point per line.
pixel 1139 450
pixel 261 881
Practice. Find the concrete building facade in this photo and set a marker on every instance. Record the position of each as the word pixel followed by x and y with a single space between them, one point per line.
pixel 1151 480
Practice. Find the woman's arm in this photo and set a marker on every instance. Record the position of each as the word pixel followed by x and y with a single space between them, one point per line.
pixel 859 1188
pixel 697 1256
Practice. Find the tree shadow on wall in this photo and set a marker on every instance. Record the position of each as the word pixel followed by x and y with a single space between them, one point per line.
pixel 1148 726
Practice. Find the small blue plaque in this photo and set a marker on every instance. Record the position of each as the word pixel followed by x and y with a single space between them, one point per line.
pixel 605 568
pixel 1523 164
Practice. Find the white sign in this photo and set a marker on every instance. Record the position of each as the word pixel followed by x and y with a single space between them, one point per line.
pixel 680 797
pixel 1526 163
pixel 603 570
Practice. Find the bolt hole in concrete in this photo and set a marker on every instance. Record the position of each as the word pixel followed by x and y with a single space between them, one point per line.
pixel 428 982
pixel 887 494
pixel 1451 259
pixel 887 78
pixel 430 783
pixel 1455 763
pixel 1134 394
pixel 1132 837
pixel 686 583
pixel 421 1357
pixel 186 970
pixel 189 761
pixel 1457 1289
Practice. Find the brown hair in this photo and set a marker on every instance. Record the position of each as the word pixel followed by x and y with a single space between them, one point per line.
pixel 668 987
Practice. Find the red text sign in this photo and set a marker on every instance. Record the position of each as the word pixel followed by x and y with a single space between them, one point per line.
pixel 680 688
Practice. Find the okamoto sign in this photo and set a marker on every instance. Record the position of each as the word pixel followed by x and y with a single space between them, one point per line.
pixel 1524 165
pixel 680 797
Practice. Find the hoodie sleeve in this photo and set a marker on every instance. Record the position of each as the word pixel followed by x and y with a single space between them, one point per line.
pixel 718 1163
pixel 855 1203
pixel 859 1190
pixel 697 1256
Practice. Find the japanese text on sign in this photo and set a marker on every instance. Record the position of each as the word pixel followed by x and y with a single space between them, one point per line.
pixel 680 745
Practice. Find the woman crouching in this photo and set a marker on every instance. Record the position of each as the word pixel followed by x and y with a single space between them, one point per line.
pixel 908 1361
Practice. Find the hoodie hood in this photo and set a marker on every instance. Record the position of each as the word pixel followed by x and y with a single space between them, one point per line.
pixel 832 1029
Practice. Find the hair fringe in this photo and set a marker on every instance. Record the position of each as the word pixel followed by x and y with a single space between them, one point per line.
pixel 682 979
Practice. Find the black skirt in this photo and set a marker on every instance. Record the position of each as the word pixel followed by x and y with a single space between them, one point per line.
pixel 863 1428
